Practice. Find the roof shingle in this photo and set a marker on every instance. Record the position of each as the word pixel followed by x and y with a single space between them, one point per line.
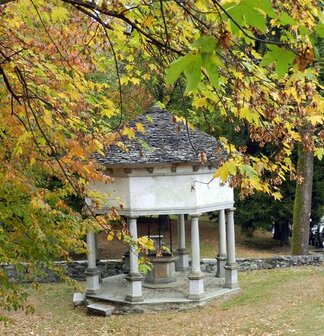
pixel 164 141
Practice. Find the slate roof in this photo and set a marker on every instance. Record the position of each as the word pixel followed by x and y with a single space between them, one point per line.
pixel 164 141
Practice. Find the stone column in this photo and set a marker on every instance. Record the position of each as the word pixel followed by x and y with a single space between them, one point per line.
pixel 92 273
pixel 231 267
pixel 182 262
pixel 221 256
pixel 134 278
pixel 196 277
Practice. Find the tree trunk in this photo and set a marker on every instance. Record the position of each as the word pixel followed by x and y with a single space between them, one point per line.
pixel 281 232
pixel 303 202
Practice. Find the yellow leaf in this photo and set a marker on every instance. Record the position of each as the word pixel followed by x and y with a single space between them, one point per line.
pixel 148 21
pixel 146 243
pixel 107 112
pixel 316 119
pixel 98 144
pixel 122 146
pixel 225 170
pixel 110 236
pixel 140 127
pixel 152 67
pixel 222 173
pixel 319 153
pixel 59 14
pixel 124 80
pixel 199 102
pixel 129 132
pixel 48 118
pixel 135 81
pixel 238 74
pixel 277 195
pixel 248 114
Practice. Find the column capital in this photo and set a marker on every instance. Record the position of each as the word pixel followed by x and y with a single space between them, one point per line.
pixel 195 215
pixel 221 256
pixel 132 217
pixel 232 209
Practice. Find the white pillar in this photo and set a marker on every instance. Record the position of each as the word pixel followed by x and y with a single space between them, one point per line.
pixel 134 278
pixel 181 237
pixel 92 272
pixel 182 262
pixel 231 280
pixel 196 277
pixel 221 256
pixel 133 262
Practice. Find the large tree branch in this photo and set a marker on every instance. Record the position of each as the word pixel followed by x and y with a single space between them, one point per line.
pixel 3 2
pixel 8 58
pixel 121 16
pixel 8 85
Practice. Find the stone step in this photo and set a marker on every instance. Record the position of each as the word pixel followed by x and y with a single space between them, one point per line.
pixel 100 309
pixel 78 299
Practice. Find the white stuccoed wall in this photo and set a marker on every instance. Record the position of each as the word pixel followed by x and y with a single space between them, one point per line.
pixel 165 192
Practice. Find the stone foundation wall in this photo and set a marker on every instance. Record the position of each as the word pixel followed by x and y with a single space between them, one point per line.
pixel 249 264
pixel 76 269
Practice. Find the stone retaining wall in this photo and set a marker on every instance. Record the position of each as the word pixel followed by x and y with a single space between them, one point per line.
pixel 249 264
pixel 76 269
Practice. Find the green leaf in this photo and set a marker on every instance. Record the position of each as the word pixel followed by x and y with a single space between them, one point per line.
pixel 281 57
pixel 59 14
pixel 145 145
pixel 319 153
pixel 149 118
pixel 193 73
pixel 319 29
pixel 265 6
pixel 212 72
pixel 251 13
pixel 247 171
pixel 258 20
pixel 284 18
pixel 206 44
pixel 304 30
pixel 177 67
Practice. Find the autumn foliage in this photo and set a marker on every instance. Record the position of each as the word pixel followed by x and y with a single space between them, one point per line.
pixel 71 71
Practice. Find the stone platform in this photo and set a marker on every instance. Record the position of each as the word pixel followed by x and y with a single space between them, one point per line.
pixel 114 290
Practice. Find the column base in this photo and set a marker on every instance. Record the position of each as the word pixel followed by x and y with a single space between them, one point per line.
pixel 134 287
pixel 93 281
pixel 92 291
pixel 231 278
pixel 182 263
pixel 221 262
pixel 196 286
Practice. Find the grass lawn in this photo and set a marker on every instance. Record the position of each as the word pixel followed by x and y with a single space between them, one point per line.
pixel 275 302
